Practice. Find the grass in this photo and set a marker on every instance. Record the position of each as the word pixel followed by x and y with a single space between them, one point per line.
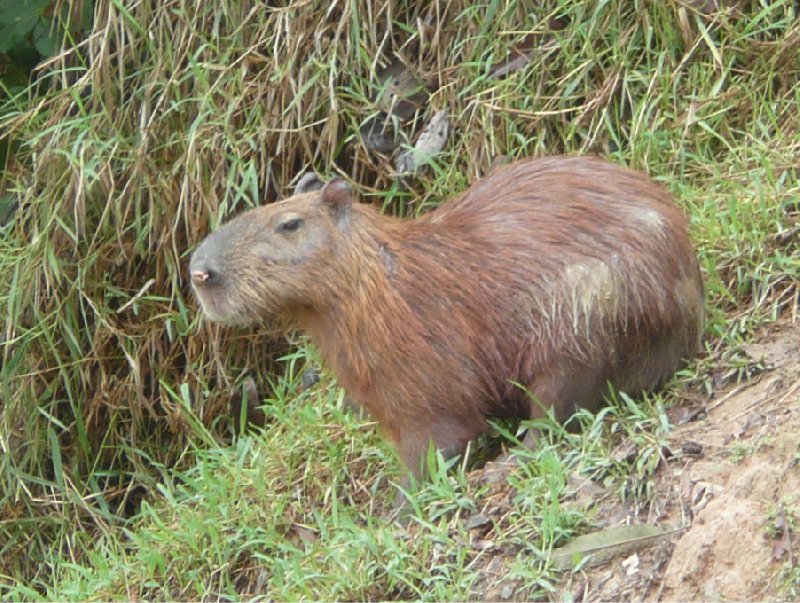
pixel 296 511
pixel 119 477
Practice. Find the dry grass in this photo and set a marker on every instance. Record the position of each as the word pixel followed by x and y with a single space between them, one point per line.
pixel 171 116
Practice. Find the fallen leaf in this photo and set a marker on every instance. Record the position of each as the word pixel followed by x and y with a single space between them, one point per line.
pixel 430 143
pixel 602 545
pixel 477 521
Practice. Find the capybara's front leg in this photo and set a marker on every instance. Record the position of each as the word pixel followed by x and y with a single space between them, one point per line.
pixel 449 438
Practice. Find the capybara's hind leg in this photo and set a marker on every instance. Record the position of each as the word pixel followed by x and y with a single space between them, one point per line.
pixel 561 390
pixel 565 389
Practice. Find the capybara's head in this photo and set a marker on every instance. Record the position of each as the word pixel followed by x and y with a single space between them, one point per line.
pixel 269 261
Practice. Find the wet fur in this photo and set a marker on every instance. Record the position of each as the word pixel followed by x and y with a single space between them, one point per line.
pixel 559 274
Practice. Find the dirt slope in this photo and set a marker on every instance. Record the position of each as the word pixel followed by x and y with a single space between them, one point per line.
pixel 729 493
pixel 726 499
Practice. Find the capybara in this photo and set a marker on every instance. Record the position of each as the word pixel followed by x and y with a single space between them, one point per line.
pixel 536 288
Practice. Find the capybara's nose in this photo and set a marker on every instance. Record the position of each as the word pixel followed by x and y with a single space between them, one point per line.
pixel 199 277
pixel 202 271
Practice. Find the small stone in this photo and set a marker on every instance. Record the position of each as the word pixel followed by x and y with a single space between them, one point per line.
pixel 631 565
pixel 691 448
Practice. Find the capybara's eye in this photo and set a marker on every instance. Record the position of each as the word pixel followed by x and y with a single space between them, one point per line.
pixel 291 225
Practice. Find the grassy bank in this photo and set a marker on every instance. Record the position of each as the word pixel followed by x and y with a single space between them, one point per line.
pixel 120 476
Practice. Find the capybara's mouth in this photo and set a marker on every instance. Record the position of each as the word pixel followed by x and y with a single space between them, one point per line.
pixel 213 309
pixel 222 311
pixel 209 309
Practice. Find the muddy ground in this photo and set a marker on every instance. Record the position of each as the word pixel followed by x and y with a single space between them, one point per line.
pixel 726 497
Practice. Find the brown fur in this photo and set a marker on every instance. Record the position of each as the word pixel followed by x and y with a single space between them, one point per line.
pixel 558 274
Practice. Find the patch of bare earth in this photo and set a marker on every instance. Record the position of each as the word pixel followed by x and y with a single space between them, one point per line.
pixel 723 497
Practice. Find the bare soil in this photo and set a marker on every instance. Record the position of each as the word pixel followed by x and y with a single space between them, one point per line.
pixel 726 497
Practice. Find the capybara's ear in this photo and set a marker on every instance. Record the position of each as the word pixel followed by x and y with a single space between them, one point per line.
pixel 337 195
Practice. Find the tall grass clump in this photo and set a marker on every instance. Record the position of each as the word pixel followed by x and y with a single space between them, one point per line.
pixel 168 117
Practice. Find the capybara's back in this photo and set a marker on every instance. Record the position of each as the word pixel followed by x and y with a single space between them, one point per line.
pixel 536 288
